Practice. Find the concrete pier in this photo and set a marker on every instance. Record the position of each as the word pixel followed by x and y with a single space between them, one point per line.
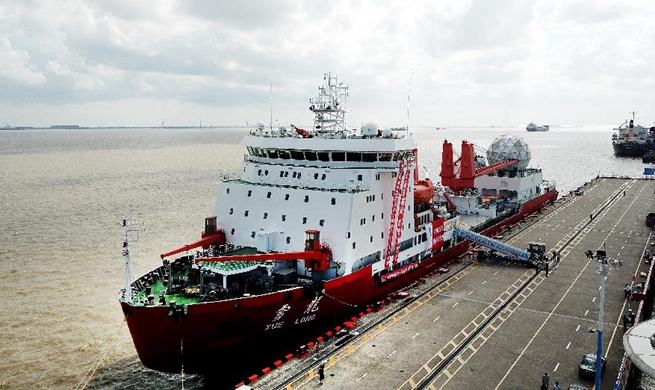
pixel 538 324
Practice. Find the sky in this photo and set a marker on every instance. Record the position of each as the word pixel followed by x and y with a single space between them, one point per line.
pixel 458 63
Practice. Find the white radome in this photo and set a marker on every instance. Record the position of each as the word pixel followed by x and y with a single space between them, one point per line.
pixel 509 147
pixel 370 129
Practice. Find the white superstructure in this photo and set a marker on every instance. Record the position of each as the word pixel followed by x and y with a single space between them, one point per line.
pixel 328 179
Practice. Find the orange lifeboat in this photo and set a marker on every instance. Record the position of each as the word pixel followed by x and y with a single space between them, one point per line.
pixel 423 191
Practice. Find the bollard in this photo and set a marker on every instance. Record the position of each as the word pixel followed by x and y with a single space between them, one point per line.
pixel 278 363
pixel 266 370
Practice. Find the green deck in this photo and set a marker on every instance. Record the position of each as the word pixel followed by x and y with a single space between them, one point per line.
pixel 224 268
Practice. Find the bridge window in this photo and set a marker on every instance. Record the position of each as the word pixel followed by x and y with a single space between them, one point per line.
pixel 354 157
pixel 297 155
pixel 385 156
pixel 272 153
pixel 324 156
pixel 284 154
pixel 338 156
pixel 369 157
pixel 310 156
pixel 250 150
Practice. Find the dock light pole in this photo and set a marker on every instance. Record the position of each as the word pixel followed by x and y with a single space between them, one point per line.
pixel 605 267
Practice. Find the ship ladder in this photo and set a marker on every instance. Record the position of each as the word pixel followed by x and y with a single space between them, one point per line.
pixel 392 236
pixel 490 243
pixel 401 211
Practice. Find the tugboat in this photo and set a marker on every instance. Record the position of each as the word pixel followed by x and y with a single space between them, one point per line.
pixel 633 140
pixel 320 224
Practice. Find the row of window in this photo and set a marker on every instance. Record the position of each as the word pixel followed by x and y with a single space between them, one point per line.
pixel 284 217
pixel 312 155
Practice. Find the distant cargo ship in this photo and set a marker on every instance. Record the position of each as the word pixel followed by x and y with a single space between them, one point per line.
pixel 632 140
pixel 534 127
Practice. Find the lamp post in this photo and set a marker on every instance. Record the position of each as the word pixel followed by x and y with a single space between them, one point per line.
pixel 605 267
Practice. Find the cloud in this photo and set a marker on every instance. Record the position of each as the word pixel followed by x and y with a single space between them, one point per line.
pixel 223 56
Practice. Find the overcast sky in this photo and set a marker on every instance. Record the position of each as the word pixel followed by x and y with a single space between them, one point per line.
pixel 139 62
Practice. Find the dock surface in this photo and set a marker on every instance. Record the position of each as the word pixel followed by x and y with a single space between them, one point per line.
pixel 502 325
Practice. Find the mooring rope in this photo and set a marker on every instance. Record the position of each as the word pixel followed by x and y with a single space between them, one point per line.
pixel 86 378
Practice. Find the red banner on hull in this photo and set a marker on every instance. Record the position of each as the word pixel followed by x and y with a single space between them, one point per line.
pixel 437 234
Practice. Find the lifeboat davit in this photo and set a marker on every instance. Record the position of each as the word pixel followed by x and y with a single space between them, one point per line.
pixel 423 191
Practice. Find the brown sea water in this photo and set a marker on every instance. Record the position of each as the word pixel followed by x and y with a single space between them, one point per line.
pixel 63 194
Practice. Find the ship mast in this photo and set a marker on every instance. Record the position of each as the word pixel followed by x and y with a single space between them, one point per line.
pixel 329 107
pixel 126 256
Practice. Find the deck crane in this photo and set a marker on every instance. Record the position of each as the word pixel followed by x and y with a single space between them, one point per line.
pixel 460 174
pixel 533 256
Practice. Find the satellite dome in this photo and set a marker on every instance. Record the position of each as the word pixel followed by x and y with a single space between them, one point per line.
pixel 370 129
pixel 509 147
pixel 260 126
pixel 283 129
pixel 387 133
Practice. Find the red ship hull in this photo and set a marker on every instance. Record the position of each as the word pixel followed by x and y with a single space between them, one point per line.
pixel 218 329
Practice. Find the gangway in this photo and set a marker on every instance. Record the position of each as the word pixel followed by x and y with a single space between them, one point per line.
pixel 499 246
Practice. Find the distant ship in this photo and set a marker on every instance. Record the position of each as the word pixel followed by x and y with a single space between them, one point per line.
pixel 319 224
pixel 534 127
pixel 631 140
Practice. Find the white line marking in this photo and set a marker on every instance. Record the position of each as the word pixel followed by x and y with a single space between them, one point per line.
pixel 436 319
pixel 593 300
pixel 556 367
pixel 457 303
pixel 496 273
pixel 391 354
pixel 361 377
pixel 578 328
pixel 413 337
pixel 484 282
pixel 586 312
pixel 598 288
pixel 568 345
pixel 470 293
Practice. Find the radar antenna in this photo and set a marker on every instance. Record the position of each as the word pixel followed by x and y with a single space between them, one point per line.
pixel 329 107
